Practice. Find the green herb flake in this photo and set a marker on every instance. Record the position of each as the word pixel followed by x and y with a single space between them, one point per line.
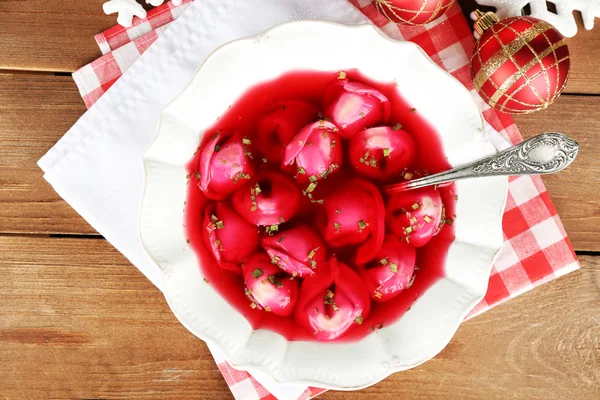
pixel 257 273
pixel 383 261
pixel 361 225
pixel 449 222
pixel 408 229
pixel 217 148
pixel 415 206
pixel 393 267
pixel 275 281
pixel 219 224
pixel 359 320
pixel 312 178
pixel 271 229
pixel 397 127
pixel 408 176
pixel 253 305
pixel 377 295
pixel 197 175
pixel 362 114
pixel 312 253
pixel 386 152
pixel 246 141
pixel 332 144
pixel 342 75
pixel 253 208
pixel 427 218
pixel 311 187
pixel 313 264
pixel 308 144
pixel 301 171
pixel 337 225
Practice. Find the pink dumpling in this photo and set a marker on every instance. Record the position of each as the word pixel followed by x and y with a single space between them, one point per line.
pixel 225 165
pixel 415 215
pixel 354 216
pixel 297 250
pixel 331 302
pixel 316 152
pixel 381 153
pixel 353 106
pixel 229 237
pixel 271 199
pixel 277 128
pixel 269 288
pixel 391 271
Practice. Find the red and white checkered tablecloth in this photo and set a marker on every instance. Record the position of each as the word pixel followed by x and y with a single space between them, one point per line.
pixel 536 248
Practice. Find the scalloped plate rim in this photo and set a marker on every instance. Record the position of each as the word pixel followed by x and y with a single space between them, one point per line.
pixel 203 336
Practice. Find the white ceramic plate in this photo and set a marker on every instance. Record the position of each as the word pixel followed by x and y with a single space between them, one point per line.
pixel 310 45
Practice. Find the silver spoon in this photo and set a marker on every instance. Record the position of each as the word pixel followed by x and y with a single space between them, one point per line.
pixel 542 154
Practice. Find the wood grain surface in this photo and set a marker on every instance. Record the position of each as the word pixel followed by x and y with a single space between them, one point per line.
pixel 77 321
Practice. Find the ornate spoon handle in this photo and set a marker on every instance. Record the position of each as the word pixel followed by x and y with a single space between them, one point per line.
pixel 542 154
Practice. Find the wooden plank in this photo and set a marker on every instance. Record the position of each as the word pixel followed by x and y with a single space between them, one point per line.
pixel 574 191
pixel 57 35
pixel 35 111
pixel 77 321
pixel 585 56
pixel 51 35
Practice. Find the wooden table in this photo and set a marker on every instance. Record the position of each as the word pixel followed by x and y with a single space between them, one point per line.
pixel 78 321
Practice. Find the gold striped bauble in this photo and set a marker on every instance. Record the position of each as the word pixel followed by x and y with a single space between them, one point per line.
pixel 519 64
pixel 412 12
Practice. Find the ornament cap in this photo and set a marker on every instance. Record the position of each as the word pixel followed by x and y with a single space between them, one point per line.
pixel 484 21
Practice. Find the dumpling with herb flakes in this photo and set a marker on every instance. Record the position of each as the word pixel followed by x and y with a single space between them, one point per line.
pixel 354 218
pixel 267 287
pixel 382 153
pixel 271 199
pixel 225 165
pixel 332 302
pixel 415 215
pixel 353 106
pixel 316 152
pixel 278 127
pixel 298 250
pixel 228 236
pixel 391 271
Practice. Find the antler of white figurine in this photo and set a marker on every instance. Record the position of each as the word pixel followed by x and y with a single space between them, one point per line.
pixel 562 19
pixel 127 9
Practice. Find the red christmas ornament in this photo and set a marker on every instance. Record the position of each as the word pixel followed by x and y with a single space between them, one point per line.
pixel 412 12
pixel 520 64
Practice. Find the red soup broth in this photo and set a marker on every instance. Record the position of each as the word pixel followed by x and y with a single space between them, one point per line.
pixel 309 86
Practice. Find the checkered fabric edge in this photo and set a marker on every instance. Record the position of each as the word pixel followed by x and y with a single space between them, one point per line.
pixel 536 248
pixel 117 36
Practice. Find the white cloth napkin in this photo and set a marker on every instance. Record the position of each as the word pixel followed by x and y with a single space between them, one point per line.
pixel 97 165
